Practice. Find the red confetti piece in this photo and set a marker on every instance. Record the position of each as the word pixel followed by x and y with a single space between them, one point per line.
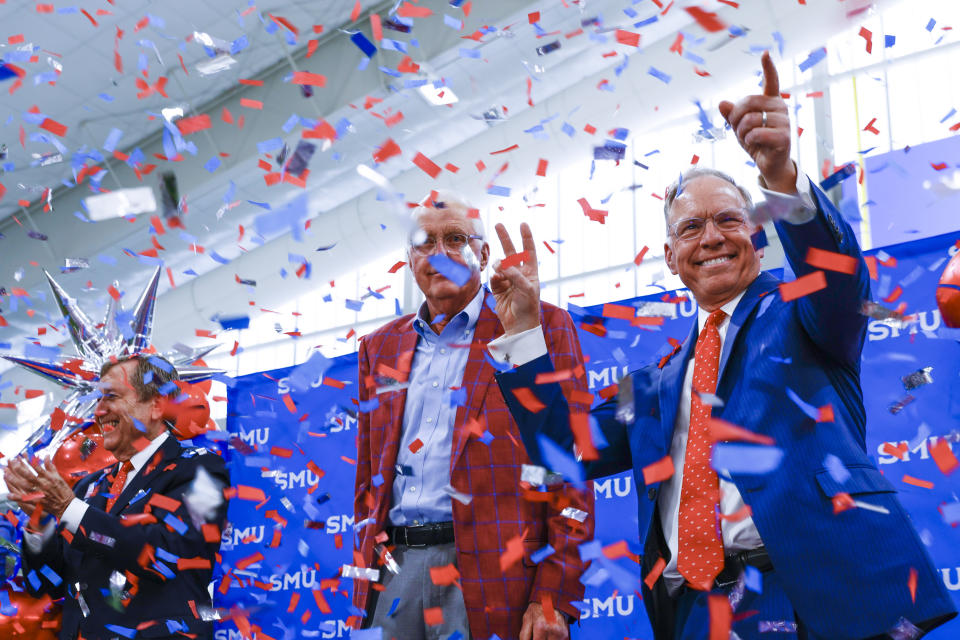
pixel 243 563
pixel 355 13
pixel 627 37
pixel 376 27
pixel 512 554
pixel 896 293
pixel 251 104
pixel 723 431
pixel 54 127
pixel 872 129
pixel 528 399
pixel 416 445
pixel 305 77
pixel 426 165
pixel 285 23
pixel 912 584
pixel 944 457
pixel 510 148
pixel 44 8
pixel 899 451
pixel 253 494
pixel 396 267
pixel 515 259
pixel 917 482
pixel 288 402
pixel 802 286
pixel 408 10
pixel 395 120
pixel 533 16
pixel 831 261
pixel 639 257
pixel 721 615
pixel 549 248
pixel 940 166
pixel 580 426
pixel 89 17
pixel 281 452
pixel 112 290
pixel 542 168
pixel 706 19
pixel 433 616
pixel 655 572
pixel 825 413
pixel 619 311
pixel 312 47
pixel 743 512
pixel 163 502
pixel 658 471
pixel 194 124
pixel 386 151
pixel 867 35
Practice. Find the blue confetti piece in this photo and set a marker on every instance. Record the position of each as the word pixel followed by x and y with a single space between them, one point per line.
pixel 745 459
pixel 456 635
pixel 269 146
pixel 812 412
pixel 34 580
pixel 838 176
pixel 690 55
pixel 646 22
pixel 486 437
pixel 353 305
pixel 391 72
pixel 568 129
pixel 377 480
pixel 363 44
pixel 212 164
pixel 815 56
pixel 455 272
pixel 889 41
pixel 216 257
pixel 396 307
pixel 5 606
pixel 759 239
pixel 328 297
pixel 659 75
pixel 39 352
pixel 610 151
pixel 393 45
pixel 470 53
pixel 112 139
pixel 931 25
pixel 458 397
pixel 736 31
pixel 948 116
pixel 780 42
pixel 234 322
pixel 452 22
pixel 560 461
pixel 175 523
pixel 239 45
pixel 51 575
pixel 837 470
pixel 124 631
pixel 393 607
pixel 590 550
pixel 753 579
pixel 497 190
pixel 537 556
pixel 166 556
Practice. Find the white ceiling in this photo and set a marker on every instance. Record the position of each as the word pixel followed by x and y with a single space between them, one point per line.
pixel 342 205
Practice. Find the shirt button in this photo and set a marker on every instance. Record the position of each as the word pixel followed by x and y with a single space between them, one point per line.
pixel 413 489
pixel 442 350
pixel 429 420
pixel 651 493
pixel 435 384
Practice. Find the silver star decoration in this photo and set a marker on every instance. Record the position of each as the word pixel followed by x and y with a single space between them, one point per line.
pixel 122 333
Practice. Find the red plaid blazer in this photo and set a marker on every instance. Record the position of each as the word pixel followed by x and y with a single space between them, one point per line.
pixel 496 600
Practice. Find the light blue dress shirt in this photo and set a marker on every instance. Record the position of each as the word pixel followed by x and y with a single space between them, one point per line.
pixel 433 397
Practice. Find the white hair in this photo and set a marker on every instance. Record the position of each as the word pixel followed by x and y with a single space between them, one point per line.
pixel 440 199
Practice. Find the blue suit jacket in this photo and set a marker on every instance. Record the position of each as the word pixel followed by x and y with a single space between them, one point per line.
pixel 847 574
pixel 102 545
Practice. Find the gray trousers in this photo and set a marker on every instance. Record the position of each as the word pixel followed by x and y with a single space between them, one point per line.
pixel 413 591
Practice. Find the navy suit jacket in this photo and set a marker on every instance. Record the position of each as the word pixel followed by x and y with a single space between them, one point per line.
pixel 847 575
pixel 164 592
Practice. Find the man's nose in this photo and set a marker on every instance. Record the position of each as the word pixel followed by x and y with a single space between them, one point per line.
pixel 711 233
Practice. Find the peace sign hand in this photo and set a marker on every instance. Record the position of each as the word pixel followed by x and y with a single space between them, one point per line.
pixel 516 286
pixel 762 125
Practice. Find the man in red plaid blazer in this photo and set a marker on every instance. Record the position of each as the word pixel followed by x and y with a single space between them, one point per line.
pixel 438 487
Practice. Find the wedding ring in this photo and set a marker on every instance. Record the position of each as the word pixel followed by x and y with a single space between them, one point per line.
pixel 763 122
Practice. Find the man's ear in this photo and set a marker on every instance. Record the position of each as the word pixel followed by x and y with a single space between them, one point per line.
pixel 158 406
pixel 484 256
pixel 760 250
pixel 670 257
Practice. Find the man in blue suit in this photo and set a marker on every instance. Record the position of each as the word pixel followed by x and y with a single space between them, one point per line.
pixel 815 546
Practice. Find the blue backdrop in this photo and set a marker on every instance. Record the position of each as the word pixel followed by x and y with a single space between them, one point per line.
pixel 298 447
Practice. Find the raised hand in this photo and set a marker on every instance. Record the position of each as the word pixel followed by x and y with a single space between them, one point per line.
pixel 57 494
pixel 21 484
pixel 515 286
pixel 767 143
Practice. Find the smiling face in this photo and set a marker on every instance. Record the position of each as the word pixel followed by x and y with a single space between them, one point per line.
pixel 120 410
pixel 718 265
pixel 444 296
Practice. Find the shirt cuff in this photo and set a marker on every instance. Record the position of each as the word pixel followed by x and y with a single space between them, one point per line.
pixel 796 208
pixel 519 348
pixel 36 539
pixel 74 514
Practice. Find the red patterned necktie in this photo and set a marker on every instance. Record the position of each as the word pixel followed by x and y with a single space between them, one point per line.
pixel 700 553
pixel 118 482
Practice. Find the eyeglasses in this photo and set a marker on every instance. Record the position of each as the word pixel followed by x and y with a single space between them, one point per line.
pixel 452 243
pixel 691 228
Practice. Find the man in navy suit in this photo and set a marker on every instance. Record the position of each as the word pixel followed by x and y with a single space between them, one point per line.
pixel 132 547
pixel 815 546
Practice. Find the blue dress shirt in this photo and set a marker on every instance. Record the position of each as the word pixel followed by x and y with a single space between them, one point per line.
pixel 420 486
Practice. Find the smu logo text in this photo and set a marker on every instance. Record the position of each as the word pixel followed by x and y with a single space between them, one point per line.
pixel 620 605
pixel 619 486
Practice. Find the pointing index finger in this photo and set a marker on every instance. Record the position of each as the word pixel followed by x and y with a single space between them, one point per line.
pixel 771 81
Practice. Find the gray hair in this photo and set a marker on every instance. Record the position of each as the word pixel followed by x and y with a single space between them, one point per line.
pixel 439 199
pixel 699 172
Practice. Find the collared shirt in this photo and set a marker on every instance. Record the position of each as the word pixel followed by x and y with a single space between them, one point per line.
pixel 420 488
pixel 77 508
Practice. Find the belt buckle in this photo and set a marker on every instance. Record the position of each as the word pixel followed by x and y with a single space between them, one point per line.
pixel 406 537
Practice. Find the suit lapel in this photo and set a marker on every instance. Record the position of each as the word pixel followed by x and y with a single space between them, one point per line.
pixel 476 377
pixel 170 449
pixel 388 445
pixel 671 383
pixel 764 282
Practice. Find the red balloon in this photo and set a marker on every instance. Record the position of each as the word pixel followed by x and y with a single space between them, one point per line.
pixel 36 618
pixel 948 293
pixel 82 453
pixel 191 415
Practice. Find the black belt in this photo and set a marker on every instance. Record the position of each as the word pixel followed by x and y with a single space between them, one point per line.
pixel 736 563
pixel 422 536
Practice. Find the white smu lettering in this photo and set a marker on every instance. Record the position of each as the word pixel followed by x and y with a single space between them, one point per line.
pixel 232 536
pixel 607 488
pixel 287 480
pixel 606 376
pixel 952 583
pixel 923 449
pixel 609 607
pixel 255 436
pixel 305 578
pixel 929 320
pixel 342 523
